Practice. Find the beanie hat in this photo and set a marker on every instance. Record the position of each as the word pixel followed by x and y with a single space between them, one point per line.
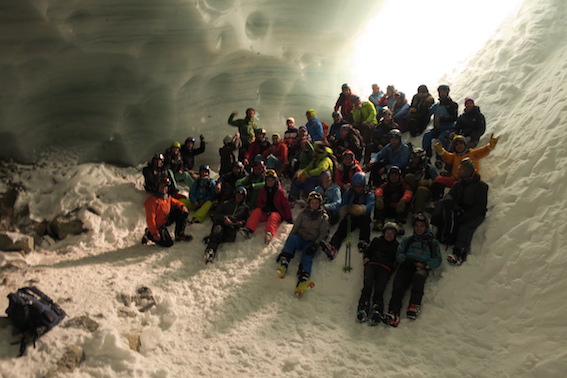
pixel 469 99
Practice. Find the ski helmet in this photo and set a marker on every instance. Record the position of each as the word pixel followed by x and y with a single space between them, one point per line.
pixel 260 131
pixel 176 144
pixel 391 226
pixel 468 165
pixel 419 217
pixel 315 195
pixel 460 138
pixel 395 133
pixel 241 190
pixel 238 164
pixel 394 169
pixel 444 87
pixel 358 178
pixel 270 173
pixel 190 139
pixel 227 139
pixel 158 157
pixel 165 181
pixel 419 152
pixel 205 168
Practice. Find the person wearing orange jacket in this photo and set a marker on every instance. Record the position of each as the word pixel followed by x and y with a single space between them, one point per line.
pixel 455 158
pixel 163 210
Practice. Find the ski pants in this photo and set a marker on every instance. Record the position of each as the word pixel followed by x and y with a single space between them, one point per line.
pixel 201 212
pixel 465 232
pixel 428 137
pixel 439 184
pixel 221 233
pixel 272 220
pixel 357 221
pixel 295 242
pixel 408 274
pixel 297 187
pixel 175 216
pixel 376 278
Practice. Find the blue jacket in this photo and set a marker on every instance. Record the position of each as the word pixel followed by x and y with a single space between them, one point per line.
pixel 332 197
pixel 367 199
pixel 444 114
pixel 399 157
pixel 418 248
pixel 315 129
pixel 201 192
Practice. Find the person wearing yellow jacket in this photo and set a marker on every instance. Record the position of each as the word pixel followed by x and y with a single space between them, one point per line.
pixel 364 118
pixel 308 178
pixel 455 158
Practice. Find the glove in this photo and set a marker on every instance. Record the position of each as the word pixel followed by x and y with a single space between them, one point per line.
pixel 426 183
pixel 438 147
pixel 493 142
pixel 380 203
pixel 357 209
pixel 401 207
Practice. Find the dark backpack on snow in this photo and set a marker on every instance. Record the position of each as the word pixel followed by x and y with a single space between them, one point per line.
pixel 33 313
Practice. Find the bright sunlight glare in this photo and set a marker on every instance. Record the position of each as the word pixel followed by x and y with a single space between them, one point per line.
pixel 413 42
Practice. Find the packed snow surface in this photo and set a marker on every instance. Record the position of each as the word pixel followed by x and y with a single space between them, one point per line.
pixel 501 314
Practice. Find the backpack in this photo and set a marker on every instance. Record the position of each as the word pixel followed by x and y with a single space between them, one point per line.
pixel 444 218
pixel 33 313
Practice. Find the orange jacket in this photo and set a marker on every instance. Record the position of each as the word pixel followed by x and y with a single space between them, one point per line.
pixel 278 150
pixel 474 154
pixel 158 209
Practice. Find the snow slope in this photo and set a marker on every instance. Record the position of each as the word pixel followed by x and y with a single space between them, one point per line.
pixel 500 314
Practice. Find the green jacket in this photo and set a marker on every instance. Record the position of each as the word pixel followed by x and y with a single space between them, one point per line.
pixel 320 163
pixel 365 114
pixel 246 128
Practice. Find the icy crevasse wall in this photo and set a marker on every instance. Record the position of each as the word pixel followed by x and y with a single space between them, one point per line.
pixel 117 80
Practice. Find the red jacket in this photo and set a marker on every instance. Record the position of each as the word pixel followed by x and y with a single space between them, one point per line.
pixel 340 173
pixel 280 202
pixel 278 150
pixel 393 193
pixel 158 209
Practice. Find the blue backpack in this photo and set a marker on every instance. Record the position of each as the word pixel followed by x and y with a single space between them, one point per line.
pixel 33 313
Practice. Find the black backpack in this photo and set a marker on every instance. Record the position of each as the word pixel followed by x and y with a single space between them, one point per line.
pixel 33 313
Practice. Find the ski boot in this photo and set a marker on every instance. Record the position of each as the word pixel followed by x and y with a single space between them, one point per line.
pixel 378 226
pixel 282 269
pixel 246 232
pixel 328 249
pixel 303 284
pixel 413 311
pixel 375 316
pixel 183 237
pixel 362 245
pixel 392 319
pixel 206 240
pixel 361 316
pixel 267 238
pixel 209 255
pixel 457 257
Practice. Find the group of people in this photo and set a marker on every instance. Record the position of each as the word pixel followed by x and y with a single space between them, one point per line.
pixel 357 173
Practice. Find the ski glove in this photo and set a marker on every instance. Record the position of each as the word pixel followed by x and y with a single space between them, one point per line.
pixel 401 207
pixel 438 147
pixel 493 142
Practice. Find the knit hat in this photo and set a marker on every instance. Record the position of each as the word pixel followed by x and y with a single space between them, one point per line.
pixel 469 99
pixel 290 119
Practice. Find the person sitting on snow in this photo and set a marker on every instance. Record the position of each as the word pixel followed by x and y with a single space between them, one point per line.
pixel 364 118
pixel 272 207
pixel 419 117
pixel 256 148
pixel 444 118
pixel 357 205
pixel 202 195
pixel 276 155
pixel 455 158
pixel 188 152
pixel 349 139
pixel 348 167
pixel 227 219
pixel 465 204
pixel 314 126
pixel 379 263
pixel 380 135
pixel 301 158
pixel 163 210
pixel 227 184
pixel 335 128
pixel 310 228
pixel 331 196
pixel 471 124
pixel 392 200
pixel 290 134
pixel 253 182
pixel 345 102
pixel 401 110
pixel 388 100
pixel 374 98
pixel 417 255
pixel 308 178
pixel 174 163
pixel 154 172
pixel 396 153
pixel 419 176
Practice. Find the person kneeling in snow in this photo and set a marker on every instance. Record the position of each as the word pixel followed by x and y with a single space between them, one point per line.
pixel 310 228
pixel 272 206
pixel 161 211
pixel 379 263
pixel 417 255
pixel 227 219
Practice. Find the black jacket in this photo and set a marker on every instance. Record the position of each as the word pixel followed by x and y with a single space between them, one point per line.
pixel 382 252
pixel 188 155
pixel 469 198
pixel 471 124
pixel 231 209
